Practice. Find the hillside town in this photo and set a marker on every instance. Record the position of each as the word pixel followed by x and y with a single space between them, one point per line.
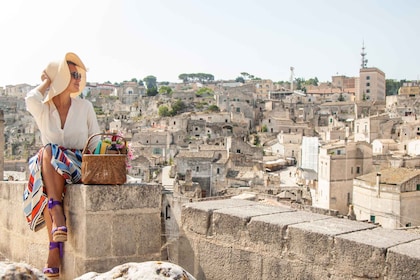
pixel 343 146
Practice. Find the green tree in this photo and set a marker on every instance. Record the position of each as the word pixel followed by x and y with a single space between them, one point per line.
pixel 184 77
pixel 257 140
pixel 150 81
pixel 204 91
pixel 177 107
pixel 240 80
pixel 392 86
pixel 151 91
pixel 264 128
pixel 163 111
pixel 213 108
pixel 165 90
pixel 134 80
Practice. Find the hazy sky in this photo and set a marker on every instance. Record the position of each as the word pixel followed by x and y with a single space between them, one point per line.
pixel 121 40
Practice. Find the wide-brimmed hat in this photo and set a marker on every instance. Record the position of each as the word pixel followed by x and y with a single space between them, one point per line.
pixel 59 74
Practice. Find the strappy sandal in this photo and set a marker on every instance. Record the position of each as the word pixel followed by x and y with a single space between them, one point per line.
pixel 59 233
pixel 54 272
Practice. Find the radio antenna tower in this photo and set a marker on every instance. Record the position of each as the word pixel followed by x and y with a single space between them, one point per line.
pixel 363 54
pixel 292 76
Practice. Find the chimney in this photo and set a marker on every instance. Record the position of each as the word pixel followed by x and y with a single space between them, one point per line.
pixel 378 184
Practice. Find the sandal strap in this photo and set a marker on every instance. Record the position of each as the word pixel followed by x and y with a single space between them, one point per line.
pixel 52 203
pixel 59 245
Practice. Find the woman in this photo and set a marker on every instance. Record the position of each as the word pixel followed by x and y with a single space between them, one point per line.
pixel 65 122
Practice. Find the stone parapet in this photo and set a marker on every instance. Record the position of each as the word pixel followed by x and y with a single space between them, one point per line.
pixel 234 239
pixel 108 225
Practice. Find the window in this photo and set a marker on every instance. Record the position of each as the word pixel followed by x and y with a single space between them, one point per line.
pixel 367 84
pixel 357 169
pixel 238 110
pixel 418 187
pixel 197 169
pixel 367 77
pixel 218 171
pixel 238 151
pixel 372 218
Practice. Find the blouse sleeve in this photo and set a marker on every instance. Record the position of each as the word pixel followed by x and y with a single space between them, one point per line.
pixel 34 103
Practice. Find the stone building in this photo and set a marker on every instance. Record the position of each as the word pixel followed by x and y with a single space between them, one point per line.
pixel 205 167
pixel 384 146
pixel 390 197
pixel 373 127
pixel 370 85
pixel 339 163
pixel 155 144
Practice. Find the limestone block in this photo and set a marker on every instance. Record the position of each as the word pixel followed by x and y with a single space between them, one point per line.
pixel 404 261
pixel 118 197
pixel 363 253
pixel 319 237
pixel 196 216
pixel 135 234
pixel 269 231
pixel 231 223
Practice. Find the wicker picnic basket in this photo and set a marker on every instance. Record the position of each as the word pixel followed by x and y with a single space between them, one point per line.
pixel 104 169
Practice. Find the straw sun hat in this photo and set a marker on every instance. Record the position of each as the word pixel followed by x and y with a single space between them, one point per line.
pixel 59 74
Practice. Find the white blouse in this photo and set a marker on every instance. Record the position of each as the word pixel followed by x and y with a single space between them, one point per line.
pixel 81 122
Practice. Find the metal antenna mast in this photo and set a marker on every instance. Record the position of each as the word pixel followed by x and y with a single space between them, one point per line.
pixel 363 54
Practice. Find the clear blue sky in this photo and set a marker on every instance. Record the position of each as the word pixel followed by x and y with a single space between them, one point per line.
pixel 121 40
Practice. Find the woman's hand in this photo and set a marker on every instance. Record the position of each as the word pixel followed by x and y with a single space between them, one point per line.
pixel 45 78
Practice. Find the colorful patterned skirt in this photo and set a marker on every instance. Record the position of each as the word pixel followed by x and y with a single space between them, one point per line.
pixel 67 163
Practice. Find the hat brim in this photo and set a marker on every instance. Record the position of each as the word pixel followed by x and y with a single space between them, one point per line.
pixel 59 74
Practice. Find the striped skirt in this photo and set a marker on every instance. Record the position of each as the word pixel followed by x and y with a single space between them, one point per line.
pixel 67 163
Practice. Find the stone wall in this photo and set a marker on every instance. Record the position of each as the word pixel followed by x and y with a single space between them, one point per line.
pixel 211 239
pixel 240 239
pixel 108 226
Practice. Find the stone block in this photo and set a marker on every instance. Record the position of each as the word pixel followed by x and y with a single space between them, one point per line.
pixel 363 253
pixel 98 236
pixel 269 232
pixel 404 261
pixel 319 237
pixel 135 234
pixel 116 197
pixel 231 223
pixel 197 216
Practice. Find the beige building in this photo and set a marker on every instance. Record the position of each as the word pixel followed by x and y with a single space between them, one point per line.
pixel 338 164
pixel 410 89
pixel 373 127
pixel 390 197
pixel 370 85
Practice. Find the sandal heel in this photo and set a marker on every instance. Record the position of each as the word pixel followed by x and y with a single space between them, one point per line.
pixel 54 272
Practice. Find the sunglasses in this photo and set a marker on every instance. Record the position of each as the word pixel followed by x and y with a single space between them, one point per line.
pixel 76 75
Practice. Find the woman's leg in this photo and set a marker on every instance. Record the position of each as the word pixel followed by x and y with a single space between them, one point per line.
pixel 54 184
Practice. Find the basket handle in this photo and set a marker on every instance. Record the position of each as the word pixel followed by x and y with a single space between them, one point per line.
pixel 86 148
